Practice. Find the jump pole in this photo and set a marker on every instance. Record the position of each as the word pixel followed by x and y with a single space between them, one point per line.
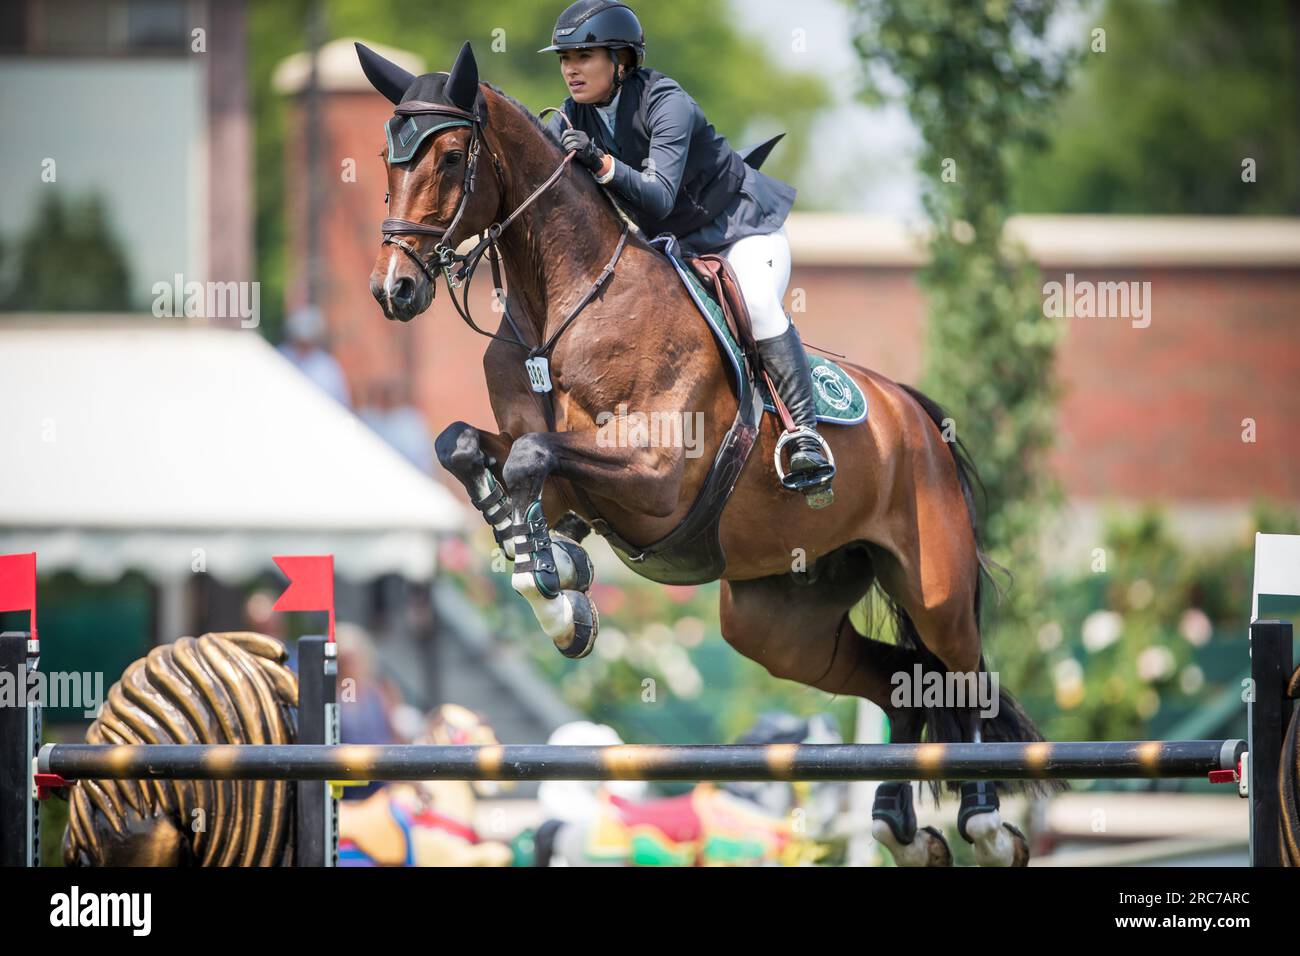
pixel 1092 760
pixel 1269 712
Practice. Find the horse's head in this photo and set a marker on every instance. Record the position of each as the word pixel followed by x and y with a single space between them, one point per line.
pixel 443 180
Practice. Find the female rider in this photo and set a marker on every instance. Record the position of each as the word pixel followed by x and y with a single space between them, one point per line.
pixel 677 174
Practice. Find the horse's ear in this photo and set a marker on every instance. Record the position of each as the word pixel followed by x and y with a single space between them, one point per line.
pixel 462 82
pixel 384 75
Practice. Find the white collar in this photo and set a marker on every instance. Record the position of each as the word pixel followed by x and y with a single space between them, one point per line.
pixel 613 104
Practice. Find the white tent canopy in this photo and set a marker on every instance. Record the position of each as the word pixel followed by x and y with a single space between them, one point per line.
pixel 158 445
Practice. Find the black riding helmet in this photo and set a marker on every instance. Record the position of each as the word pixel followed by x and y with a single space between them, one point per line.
pixel 599 23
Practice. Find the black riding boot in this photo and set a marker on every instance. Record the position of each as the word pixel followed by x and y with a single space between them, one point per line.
pixel 784 359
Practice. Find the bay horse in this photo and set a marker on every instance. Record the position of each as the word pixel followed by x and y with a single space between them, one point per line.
pixel 596 319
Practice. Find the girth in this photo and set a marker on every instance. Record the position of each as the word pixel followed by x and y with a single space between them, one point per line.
pixel 692 552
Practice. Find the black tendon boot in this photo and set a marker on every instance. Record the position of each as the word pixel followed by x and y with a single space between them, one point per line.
pixel 811 470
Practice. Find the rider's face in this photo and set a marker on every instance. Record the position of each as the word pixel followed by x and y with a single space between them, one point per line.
pixel 592 70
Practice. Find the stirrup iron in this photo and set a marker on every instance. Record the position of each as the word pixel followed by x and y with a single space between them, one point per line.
pixel 813 484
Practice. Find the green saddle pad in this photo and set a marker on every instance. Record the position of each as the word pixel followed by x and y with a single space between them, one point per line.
pixel 838 397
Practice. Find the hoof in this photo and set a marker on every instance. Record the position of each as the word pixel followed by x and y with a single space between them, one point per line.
pixel 1021 857
pixel 586 624
pixel 996 843
pixel 937 848
pixel 893 824
pixel 580 572
pixel 927 848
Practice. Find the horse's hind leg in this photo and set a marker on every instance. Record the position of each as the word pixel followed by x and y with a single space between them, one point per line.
pixel 936 615
pixel 801 632
pixel 893 813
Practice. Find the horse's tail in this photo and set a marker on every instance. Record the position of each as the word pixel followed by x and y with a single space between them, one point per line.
pixel 1010 723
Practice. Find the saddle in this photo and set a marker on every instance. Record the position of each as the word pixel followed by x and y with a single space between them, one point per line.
pixel 716 291
pixel 717 275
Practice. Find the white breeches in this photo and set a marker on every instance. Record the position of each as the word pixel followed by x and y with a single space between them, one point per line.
pixel 762 264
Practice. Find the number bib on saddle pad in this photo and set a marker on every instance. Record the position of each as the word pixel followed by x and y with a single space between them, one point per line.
pixel 839 399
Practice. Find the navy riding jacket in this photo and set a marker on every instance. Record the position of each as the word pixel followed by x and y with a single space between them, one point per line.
pixel 675 172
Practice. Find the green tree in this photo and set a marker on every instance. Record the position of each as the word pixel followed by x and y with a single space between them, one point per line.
pixel 68 260
pixel 1163 119
pixel 977 80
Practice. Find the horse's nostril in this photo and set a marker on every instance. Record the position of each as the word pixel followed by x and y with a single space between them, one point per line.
pixel 403 291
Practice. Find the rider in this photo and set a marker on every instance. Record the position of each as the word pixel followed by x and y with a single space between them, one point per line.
pixel 677 174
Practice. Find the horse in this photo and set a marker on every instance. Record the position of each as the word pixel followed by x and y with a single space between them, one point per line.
pixel 596 319
pixel 222 688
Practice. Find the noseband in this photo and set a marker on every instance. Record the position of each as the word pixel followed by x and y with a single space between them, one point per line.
pixel 445 258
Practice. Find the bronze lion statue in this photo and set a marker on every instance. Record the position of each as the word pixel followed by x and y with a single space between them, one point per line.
pixel 225 688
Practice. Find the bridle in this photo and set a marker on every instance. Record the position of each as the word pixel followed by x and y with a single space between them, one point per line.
pixel 445 259
pixel 393 227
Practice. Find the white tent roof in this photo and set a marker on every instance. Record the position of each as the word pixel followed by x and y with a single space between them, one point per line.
pixel 158 444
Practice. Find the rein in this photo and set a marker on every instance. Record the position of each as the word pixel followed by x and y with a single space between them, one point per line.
pixel 445 258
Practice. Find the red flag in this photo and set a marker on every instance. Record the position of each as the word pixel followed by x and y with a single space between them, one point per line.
pixel 18 585
pixel 311 584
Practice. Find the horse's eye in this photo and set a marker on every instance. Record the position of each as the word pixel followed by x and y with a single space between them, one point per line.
pixel 452 159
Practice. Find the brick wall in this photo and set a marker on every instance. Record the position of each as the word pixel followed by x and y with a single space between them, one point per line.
pixel 1157 412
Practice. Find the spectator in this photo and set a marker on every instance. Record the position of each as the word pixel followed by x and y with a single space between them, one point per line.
pixel 304 346
pixel 398 422
pixel 366 701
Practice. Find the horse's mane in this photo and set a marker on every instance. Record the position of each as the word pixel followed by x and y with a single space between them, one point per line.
pixel 228 688
pixel 523 109
pixel 602 197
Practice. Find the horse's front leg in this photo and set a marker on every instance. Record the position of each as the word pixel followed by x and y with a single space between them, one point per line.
pixel 471 455
pixel 650 477
pixel 476 457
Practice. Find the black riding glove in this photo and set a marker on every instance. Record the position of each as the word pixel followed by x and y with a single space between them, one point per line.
pixel 588 153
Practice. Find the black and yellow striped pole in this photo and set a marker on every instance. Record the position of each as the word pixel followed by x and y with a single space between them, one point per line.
pixel 1092 760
